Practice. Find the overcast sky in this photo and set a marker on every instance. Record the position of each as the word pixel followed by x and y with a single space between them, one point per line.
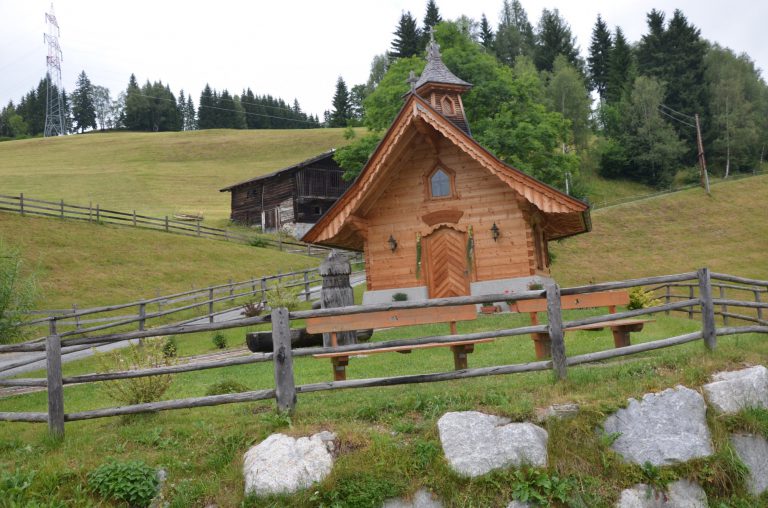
pixel 289 48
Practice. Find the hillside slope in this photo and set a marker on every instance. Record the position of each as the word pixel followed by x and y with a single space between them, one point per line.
pixel 154 173
pixel 727 232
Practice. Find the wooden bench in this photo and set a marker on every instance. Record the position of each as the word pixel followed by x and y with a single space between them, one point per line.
pixel 395 318
pixel 621 328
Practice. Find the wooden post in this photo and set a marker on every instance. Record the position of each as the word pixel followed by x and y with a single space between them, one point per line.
pixel 142 315
pixel 159 302
pixel 306 286
pixel 231 288
pixel 62 208
pixel 77 318
pixel 669 298
pixel 21 204
pixel 285 387
pixel 337 292
pixel 98 213
pixel 166 223
pixel 263 290
pixel 210 305
pixel 757 300
pixel 134 218
pixel 702 161
pixel 555 327
pixel 723 307
pixel 90 211
pixel 279 240
pixel 55 383
pixel 198 228
pixel 309 249
pixel 707 309
pixel 690 297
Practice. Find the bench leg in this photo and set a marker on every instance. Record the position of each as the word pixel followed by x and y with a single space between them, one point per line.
pixel 543 345
pixel 340 367
pixel 620 337
pixel 460 356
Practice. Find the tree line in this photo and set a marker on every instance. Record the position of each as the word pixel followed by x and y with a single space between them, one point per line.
pixel 150 107
pixel 627 111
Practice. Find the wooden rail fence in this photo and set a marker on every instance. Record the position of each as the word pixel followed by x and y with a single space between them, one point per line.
pixel 285 390
pixel 95 213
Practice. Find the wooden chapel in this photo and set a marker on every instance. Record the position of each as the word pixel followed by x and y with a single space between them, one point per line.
pixel 437 215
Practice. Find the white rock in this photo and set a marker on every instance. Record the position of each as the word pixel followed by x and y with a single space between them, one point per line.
pixel 421 499
pixel 730 392
pixel 680 494
pixel 475 443
pixel 753 452
pixel 282 464
pixel 518 504
pixel 664 428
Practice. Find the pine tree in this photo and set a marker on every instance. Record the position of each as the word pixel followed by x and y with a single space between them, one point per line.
pixel 181 106
pixel 554 37
pixel 135 106
pixel 206 114
pixel 486 34
pixel 407 40
pixel 83 110
pixel 620 69
pixel 650 50
pixel 190 122
pixel 514 36
pixel 599 53
pixel 341 105
pixel 431 19
pixel 227 115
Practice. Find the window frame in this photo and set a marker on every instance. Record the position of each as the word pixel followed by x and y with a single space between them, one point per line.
pixel 452 194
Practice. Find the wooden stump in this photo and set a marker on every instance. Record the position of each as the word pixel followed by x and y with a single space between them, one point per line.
pixel 337 292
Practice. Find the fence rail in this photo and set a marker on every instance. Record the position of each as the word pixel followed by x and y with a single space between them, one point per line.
pixel 285 391
pixel 95 213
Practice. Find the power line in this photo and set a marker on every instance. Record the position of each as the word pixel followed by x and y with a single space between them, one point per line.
pixel 675 111
pixel 676 119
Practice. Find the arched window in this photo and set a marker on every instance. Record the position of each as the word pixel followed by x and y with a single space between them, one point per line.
pixel 447 105
pixel 440 184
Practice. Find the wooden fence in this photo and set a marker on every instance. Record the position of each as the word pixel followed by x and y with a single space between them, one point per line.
pixel 94 213
pixel 285 390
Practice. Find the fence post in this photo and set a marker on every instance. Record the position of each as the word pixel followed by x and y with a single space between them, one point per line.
pixel 757 300
pixel 62 208
pixel 98 213
pixel 210 305
pixel 142 315
pixel 198 228
pixel 55 383
pixel 231 288
pixel 263 290
pixel 166 223
pixel 285 387
pixel 90 211
pixel 555 327
pixel 707 309
pixel 669 298
pixel 690 297
pixel 279 241
pixel 77 318
pixel 134 218
pixel 306 286
pixel 21 203
pixel 723 307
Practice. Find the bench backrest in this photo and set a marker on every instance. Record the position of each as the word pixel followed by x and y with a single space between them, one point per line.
pixel 608 299
pixel 391 318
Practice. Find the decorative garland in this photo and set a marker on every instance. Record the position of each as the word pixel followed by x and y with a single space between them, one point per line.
pixel 418 255
pixel 470 249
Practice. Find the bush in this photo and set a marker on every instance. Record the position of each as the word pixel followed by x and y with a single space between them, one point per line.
pixel 132 482
pixel 17 294
pixel 400 297
pixel 226 386
pixel 281 296
pixel 253 309
pixel 639 298
pixel 146 355
pixel 219 340
pixel 258 241
pixel 171 347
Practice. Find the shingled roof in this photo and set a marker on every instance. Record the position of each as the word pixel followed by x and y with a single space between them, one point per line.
pixel 435 71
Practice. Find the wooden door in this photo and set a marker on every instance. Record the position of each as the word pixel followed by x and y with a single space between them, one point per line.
pixel 446 260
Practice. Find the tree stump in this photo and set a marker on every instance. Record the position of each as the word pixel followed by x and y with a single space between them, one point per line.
pixel 337 292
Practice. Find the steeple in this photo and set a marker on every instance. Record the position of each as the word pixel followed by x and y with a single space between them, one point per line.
pixel 441 87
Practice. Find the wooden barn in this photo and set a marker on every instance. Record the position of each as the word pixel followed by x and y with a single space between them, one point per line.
pixel 296 196
pixel 437 215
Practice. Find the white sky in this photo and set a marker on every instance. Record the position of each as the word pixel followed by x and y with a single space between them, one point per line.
pixel 289 48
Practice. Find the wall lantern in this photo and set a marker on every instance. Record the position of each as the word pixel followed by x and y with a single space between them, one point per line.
pixel 392 243
pixel 495 232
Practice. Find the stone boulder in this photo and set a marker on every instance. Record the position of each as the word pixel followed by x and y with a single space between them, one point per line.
pixel 282 464
pixel 664 428
pixel 476 443
pixel 680 494
pixel 518 504
pixel 421 499
pixel 753 452
pixel 730 392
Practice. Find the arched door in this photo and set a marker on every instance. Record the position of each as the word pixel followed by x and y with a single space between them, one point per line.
pixel 446 263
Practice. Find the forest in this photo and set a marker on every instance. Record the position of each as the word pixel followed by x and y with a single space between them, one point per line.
pixel 628 109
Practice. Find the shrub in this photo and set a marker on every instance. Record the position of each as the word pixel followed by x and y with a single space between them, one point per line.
pixel 258 241
pixel 535 286
pixel 132 482
pixel 281 296
pixel 17 294
pixel 219 340
pixel 170 347
pixel 226 386
pixel 639 298
pixel 399 297
pixel 148 354
pixel 253 309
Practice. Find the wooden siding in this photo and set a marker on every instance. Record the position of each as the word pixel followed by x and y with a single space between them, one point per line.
pixel 398 211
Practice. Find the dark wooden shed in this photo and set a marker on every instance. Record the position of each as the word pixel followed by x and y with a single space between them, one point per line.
pixel 297 195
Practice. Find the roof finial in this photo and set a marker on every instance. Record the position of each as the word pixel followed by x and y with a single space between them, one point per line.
pixel 433 49
pixel 412 79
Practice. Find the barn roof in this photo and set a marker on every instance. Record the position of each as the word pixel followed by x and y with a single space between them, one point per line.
pixel 302 164
pixel 568 215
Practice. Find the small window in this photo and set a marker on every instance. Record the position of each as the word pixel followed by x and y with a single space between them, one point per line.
pixel 318 210
pixel 440 184
pixel 447 106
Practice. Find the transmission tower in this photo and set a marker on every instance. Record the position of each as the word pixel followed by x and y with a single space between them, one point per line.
pixel 54 111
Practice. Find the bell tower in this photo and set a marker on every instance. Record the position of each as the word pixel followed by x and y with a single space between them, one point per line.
pixel 442 88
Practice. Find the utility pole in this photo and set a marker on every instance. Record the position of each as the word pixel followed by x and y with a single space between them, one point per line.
pixel 54 111
pixel 702 161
